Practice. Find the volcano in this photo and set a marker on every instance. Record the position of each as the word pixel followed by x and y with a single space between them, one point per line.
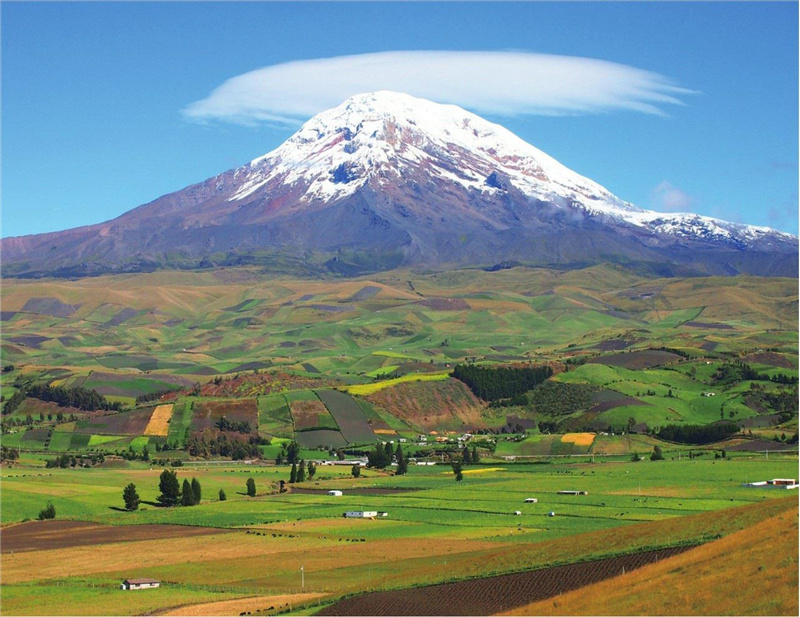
pixel 387 180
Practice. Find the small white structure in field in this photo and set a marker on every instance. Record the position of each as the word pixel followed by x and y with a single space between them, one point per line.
pixel 139 583
pixel 551 514
pixel 531 500
pixel 335 493
pixel 517 513
pixel 360 514
pixel 707 394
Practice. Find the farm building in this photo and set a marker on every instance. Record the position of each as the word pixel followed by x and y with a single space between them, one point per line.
pixel 573 492
pixel 708 394
pixel 360 514
pixel 139 583
pixel 517 513
pixel 335 493
pixel 784 483
pixel 350 462
pixel 531 500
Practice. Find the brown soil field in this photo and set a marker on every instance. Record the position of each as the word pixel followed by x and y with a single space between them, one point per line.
pixel 306 413
pixel 637 360
pixel 159 421
pixel 445 304
pixel 47 535
pixel 429 404
pixel 261 384
pixel 750 572
pixel 770 358
pixel 207 413
pixel 125 423
pixel 243 605
pixel 762 445
pixel 490 595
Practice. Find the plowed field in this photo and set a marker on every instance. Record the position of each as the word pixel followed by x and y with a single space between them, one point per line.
pixel 487 596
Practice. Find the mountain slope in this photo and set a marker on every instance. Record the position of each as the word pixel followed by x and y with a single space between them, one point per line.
pixel 387 179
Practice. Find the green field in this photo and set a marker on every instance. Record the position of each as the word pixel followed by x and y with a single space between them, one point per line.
pixel 629 505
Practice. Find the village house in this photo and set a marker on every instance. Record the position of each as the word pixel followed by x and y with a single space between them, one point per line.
pixel 139 583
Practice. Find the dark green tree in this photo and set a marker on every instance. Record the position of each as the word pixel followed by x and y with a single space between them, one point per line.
pixel 657 454
pixel 187 496
pixel 222 495
pixel 402 463
pixel 356 470
pixel 48 513
pixel 198 492
pixel 466 456
pixel 635 457
pixel 131 497
pixel 476 458
pixel 457 470
pixel 312 469
pixel 301 471
pixel 389 452
pixel 170 489
pixel 293 474
pixel 293 452
pixel 251 487
pixel 145 453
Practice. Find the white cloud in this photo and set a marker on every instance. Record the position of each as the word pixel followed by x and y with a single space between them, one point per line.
pixel 669 198
pixel 498 82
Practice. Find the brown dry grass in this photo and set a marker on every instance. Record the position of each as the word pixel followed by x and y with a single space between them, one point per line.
pixel 159 421
pixel 241 605
pixel 579 439
pixel 306 413
pixel 750 572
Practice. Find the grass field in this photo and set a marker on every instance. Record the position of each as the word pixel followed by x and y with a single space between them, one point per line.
pixel 470 524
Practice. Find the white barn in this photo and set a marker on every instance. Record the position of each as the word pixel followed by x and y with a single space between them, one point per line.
pixel 139 583
pixel 335 493
pixel 360 514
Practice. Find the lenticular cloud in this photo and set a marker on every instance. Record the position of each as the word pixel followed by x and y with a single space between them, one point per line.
pixel 502 83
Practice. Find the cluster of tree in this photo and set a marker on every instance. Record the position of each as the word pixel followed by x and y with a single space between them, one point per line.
pixel 132 455
pixel 355 470
pixel 14 402
pixel 299 469
pixel 230 426
pixel 153 396
pixel 657 454
pixel 697 434
pixel 162 462
pixel 8 368
pixel 383 455
pixel 49 512
pixel 554 398
pixel 87 400
pixel 67 460
pixel 8 454
pixel 457 470
pixel 741 371
pixel 172 493
pixel 518 400
pixel 496 383
pixel 290 454
pixel 470 457
pixel 207 446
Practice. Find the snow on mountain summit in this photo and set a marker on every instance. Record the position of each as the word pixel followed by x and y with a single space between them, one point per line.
pixel 384 137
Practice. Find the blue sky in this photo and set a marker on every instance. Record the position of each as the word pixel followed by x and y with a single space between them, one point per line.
pixel 97 98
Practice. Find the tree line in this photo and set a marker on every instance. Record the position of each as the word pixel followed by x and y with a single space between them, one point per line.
pixel 697 434
pixel 81 398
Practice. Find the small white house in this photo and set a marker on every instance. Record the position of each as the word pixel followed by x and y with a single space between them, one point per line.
pixel 361 514
pixel 139 583
pixel 517 513
pixel 335 493
pixel 531 500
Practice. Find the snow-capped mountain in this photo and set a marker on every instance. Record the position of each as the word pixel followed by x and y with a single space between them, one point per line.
pixel 386 179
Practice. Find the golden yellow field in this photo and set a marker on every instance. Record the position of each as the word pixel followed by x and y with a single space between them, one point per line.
pixel 579 439
pixel 750 572
pixel 242 605
pixel 159 421
pixel 371 388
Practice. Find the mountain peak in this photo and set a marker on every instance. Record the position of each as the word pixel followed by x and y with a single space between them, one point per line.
pixel 407 180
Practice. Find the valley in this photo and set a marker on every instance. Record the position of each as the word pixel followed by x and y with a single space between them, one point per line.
pixel 227 375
